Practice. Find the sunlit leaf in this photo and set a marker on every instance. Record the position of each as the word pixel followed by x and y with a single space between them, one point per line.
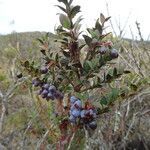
pixel 63 9
pixel 87 39
pixel 74 11
pixel 102 18
pixel 103 101
pixel 107 19
pixel 64 20
pixel 26 64
pixel 83 54
pixel 63 1
pixel 40 40
pixel 98 26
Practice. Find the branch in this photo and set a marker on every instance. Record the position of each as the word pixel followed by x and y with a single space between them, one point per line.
pixel 91 88
pixel 42 140
pixel 6 97
pixel 72 137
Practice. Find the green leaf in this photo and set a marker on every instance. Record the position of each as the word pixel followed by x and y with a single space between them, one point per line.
pixel 95 63
pixel 91 32
pixel 110 72
pixel 77 30
pixel 26 64
pixel 57 57
pixel 101 61
pixel 126 71
pixel 102 18
pixel 65 22
pixel 115 72
pixel 83 54
pixel 107 19
pixel 108 77
pixel 87 39
pixel 133 87
pixel 74 11
pixel 86 66
pixel 115 93
pixel 90 64
pixel 103 101
pixel 94 33
pixel 78 20
pixel 70 2
pixel 66 54
pixel 63 1
pixel 40 40
pixel 63 9
pixel 98 26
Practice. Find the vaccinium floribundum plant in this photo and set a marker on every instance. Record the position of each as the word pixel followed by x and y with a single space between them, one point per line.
pixel 79 66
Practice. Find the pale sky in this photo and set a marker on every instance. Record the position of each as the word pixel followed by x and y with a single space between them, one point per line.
pixel 40 15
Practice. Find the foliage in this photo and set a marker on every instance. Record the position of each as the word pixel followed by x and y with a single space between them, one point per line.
pixel 117 108
pixel 76 69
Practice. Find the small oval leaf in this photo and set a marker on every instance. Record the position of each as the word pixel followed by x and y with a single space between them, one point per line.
pixel 65 22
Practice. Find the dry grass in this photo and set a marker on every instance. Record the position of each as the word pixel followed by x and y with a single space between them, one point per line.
pixel 27 125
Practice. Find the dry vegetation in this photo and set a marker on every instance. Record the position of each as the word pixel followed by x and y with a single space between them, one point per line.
pixel 25 124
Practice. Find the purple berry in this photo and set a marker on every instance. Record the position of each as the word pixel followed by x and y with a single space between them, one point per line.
pixel 72 99
pixel 92 113
pixel 52 88
pixel 92 125
pixel 72 119
pixel 44 70
pixel 76 112
pixel 103 50
pixel 72 107
pixel 58 95
pixel 50 96
pixel 44 93
pixel 36 82
pixel 46 86
pixel 82 114
pixel 87 113
pixel 78 104
pixel 113 53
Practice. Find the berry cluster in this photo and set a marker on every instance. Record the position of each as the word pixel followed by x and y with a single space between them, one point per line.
pixel 47 91
pixel 75 109
pixel 113 52
pixel 86 116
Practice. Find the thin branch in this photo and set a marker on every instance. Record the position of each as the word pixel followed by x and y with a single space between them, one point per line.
pixel 130 127
pixel 107 7
pixel 71 140
pixel 6 97
pixel 42 140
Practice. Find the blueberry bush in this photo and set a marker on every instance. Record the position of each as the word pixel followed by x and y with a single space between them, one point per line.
pixel 65 80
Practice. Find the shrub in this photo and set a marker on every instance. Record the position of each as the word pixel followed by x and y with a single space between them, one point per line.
pixel 66 77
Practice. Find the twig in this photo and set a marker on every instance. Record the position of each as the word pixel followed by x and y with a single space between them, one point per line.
pixel 69 146
pixel 26 130
pixel 132 123
pixel 128 109
pixel 6 97
pixel 3 114
pixel 127 63
pixel 42 140
pixel 139 30
pixel 132 57
pixel 110 20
